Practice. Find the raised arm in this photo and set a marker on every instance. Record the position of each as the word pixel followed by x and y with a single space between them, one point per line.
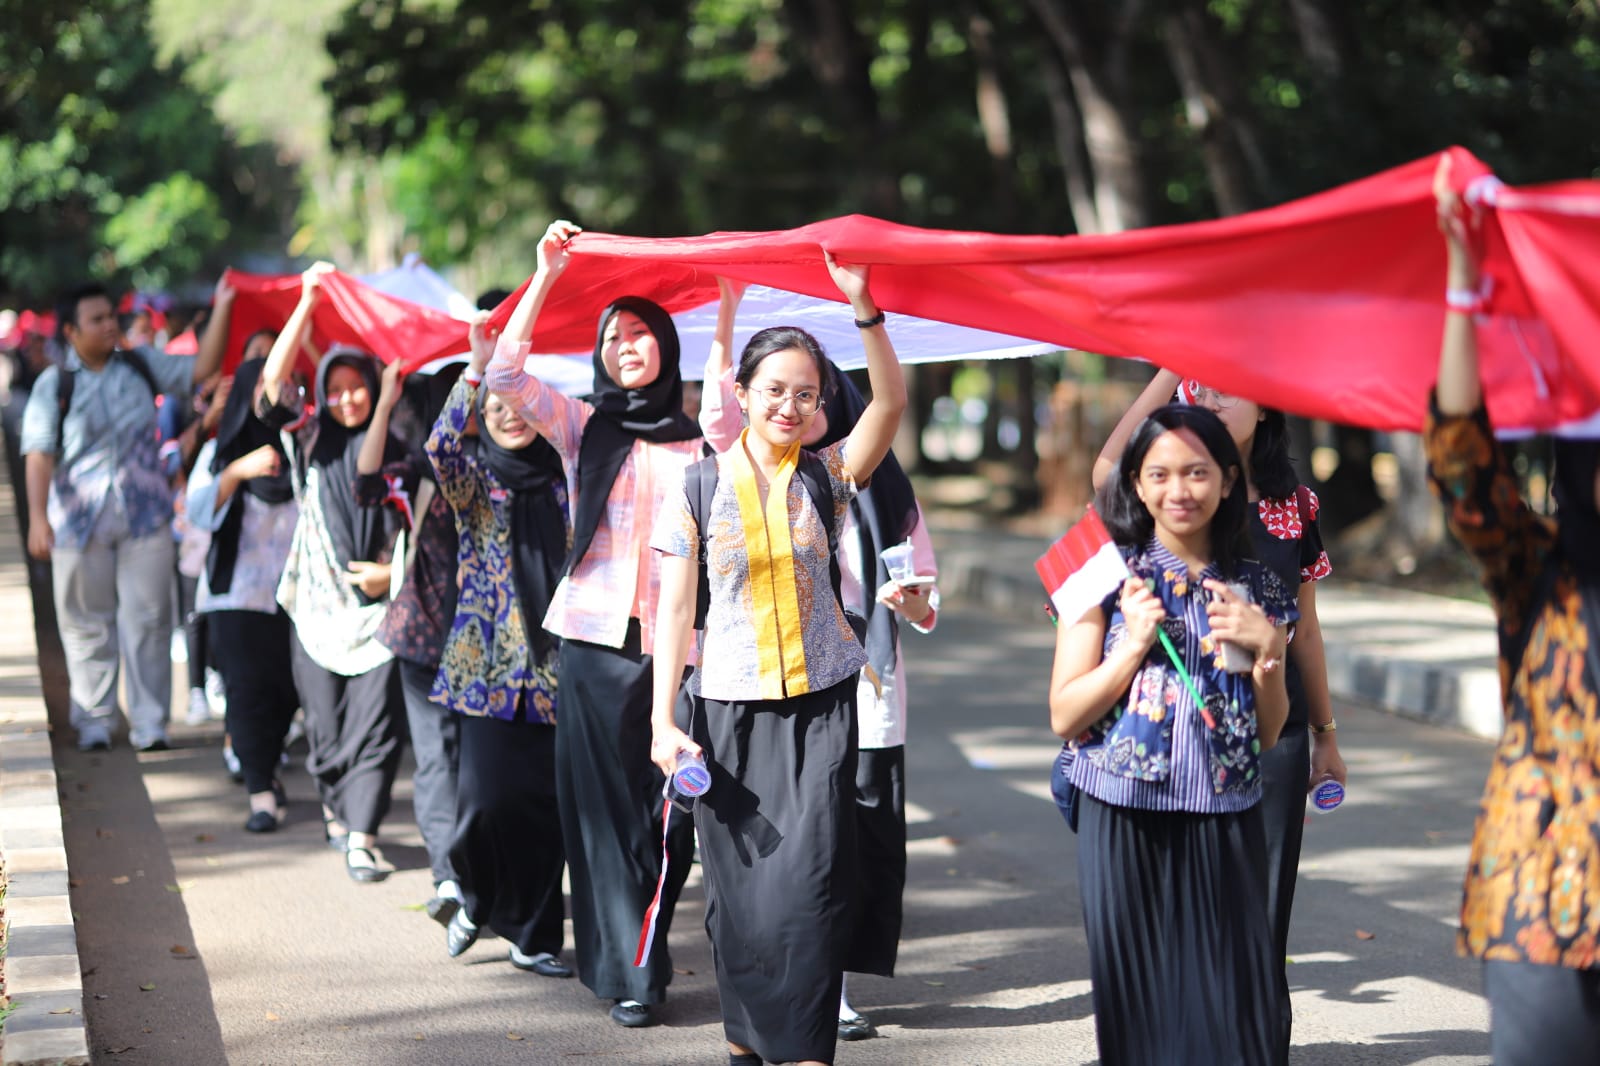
pixel 445 447
pixel 370 458
pixel 874 431
pixel 720 420
pixel 1156 394
pixel 280 361
pixel 214 341
pixel 1459 388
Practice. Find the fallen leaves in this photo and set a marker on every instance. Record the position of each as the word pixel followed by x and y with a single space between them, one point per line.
pixel 122 880
pixel 148 986
pixel 104 834
pixel 272 1017
pixel 1362 934
pixel 203 838
pixel 513 1036
pixel 683 973
pixel 180 951
pixel 181 886
pixel 63 1010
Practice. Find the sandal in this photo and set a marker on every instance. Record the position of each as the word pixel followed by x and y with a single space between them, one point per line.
pixel 339 841
pixel 362 866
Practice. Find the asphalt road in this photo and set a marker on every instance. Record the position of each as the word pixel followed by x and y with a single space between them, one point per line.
pixel 202 944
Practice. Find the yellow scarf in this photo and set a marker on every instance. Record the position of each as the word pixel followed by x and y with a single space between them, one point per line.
pixel 774 601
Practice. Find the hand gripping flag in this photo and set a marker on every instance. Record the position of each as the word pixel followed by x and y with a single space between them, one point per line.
pixel 1081 569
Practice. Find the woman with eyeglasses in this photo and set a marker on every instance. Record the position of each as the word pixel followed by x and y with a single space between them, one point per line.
pixel 624 448
pixel 1285 535
pixel 882 515
pixel 776 718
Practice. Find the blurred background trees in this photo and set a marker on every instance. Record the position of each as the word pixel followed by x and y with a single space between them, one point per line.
pixel 154 139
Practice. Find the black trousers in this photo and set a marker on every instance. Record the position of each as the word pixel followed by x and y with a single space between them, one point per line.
pixel 435 743
pixel 610 802
pixel 1285 773
pixel 354 725
pixel 194 631
pixel 252 651
pixel 1542 1015
pixel 881 858
pixel 507 841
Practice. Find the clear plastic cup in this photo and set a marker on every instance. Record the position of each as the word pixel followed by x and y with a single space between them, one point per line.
pixel 897 560
pixel 690 776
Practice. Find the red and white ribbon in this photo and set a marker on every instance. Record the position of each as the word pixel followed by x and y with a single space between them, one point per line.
pixel 647 933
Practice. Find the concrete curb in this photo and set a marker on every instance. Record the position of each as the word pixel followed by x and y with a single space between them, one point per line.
pixel 1425 657
pixel 44 979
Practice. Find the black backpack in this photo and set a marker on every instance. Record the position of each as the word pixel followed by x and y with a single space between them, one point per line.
pixel 700 483
pixel 67 380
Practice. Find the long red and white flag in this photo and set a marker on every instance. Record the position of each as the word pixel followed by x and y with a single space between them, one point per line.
pixel 1081 569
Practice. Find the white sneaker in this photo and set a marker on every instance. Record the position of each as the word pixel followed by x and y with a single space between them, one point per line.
pixel 199 709
pixel 216 695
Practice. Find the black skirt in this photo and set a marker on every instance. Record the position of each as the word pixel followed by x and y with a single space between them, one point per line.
pixel 1180 945
pixel 609 795
pixel 507 844
pixel 778 850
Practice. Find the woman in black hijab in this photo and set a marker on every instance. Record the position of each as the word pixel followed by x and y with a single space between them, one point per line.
pixel 240 490
pixel 498 671
pixel 624 449
pixel 335 589
pixel 1531 905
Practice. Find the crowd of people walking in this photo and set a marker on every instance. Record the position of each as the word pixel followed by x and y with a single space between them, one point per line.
pixel 560 602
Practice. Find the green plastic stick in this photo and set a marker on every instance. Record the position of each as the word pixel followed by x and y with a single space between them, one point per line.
pixel 1183 672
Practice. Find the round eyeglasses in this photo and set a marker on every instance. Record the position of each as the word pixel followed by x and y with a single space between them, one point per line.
pixel 1208 397
pixel 806 401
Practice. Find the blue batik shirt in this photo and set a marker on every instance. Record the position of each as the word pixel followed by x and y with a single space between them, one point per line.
pixel 109 449
pixel 1153 750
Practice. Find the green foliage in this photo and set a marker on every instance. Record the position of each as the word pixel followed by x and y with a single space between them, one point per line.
pixel 110 166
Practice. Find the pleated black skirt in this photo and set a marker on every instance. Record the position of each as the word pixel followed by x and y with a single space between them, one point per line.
pixel 609 795
pixel 881 855
pixel 506 849
pixel 777 835
pixel 1180 945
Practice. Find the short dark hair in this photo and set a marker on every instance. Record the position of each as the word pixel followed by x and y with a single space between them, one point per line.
pixel 67 306
pixel 776 339
pixel 1128 520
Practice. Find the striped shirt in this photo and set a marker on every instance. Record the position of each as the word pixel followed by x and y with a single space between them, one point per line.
pixel 617 579
pixel 1181 778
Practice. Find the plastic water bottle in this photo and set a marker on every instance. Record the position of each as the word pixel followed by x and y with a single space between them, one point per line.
pixel 690 776
pixel 1327 795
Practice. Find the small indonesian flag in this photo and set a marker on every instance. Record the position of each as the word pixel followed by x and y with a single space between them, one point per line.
pixel 652 913
pixel 1081 568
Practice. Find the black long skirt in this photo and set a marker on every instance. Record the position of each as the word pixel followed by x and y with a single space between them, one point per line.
pixel 1180 946
pixel 356 728
pixel 778 851
pixel 881 853
pixel 609 796
pixel 506 849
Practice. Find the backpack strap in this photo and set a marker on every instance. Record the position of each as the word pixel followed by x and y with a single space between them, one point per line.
pixel 814 473
pixel 67 380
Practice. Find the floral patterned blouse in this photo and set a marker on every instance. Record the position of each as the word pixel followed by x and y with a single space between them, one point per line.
pixel 1533 876
pixel 488 666
pixel 1154 750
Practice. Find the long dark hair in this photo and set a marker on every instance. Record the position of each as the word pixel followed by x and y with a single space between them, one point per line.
pixel 1128 520
pixel 1270 466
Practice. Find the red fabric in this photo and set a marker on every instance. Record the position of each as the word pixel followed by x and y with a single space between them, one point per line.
pixel 184 343
pixel 1330 307
pixel 349 312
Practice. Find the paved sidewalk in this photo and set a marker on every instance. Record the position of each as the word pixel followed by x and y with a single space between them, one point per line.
pixel 1410 653
pixel 41 968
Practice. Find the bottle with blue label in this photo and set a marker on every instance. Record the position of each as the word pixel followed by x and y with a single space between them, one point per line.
pixel 1327 795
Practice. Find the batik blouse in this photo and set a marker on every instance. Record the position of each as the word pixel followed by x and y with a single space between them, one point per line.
pixel 1533 875
pixel 772 631
pixel 489 666
pixel 1154 750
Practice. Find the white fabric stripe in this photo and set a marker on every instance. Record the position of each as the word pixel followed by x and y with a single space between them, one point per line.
pixel 1089 584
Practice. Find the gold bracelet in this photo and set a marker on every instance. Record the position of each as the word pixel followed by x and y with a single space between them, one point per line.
pixel 1327 727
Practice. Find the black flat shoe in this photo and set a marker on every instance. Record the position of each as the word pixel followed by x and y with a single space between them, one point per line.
pixel 855 1027
pixel 336 841
pixel 261 822
pixel 460 934
pixel 441 909
pixel 544 964
pixel 631 1015
pixel 362 872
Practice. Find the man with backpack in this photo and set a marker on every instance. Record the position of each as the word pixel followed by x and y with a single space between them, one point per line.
pixel 100 509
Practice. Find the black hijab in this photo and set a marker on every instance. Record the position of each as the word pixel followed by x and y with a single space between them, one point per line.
pixel 239 433
pixel 538 525
pixel 653 412
pixel 356 532
pixel 885 510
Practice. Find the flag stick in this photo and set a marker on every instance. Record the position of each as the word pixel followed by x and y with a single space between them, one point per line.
pixel 1183 672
